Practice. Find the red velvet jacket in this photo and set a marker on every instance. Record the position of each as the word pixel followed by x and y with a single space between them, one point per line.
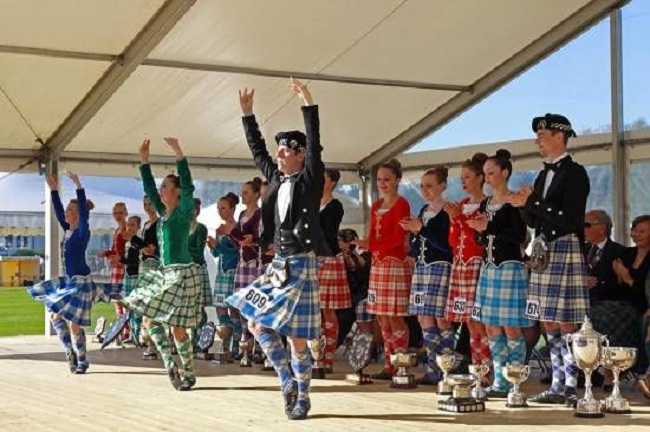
pixel 462 238
pixel 387 238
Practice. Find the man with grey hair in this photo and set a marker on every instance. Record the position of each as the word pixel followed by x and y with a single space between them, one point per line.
pixel 600 252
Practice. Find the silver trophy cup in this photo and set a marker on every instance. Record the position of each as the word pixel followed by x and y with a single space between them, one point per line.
pixel 461 400
pixel 402 378
pixel 618 359
pixel 516 373
pixel 479 371
pixel 446 363
pixel 587 346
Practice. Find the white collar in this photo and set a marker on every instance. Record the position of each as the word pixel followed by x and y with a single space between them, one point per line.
pixel 602 244
pixel 557 159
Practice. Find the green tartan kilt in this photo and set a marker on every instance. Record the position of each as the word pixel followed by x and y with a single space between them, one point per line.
pixel 169 295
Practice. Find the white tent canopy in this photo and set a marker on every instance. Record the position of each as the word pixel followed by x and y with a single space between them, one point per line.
pixel 87 79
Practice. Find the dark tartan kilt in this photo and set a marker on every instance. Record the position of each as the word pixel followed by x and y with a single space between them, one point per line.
pixel 223 287
pixel 246 273
pixel 501 295
pixel 619 321
pixel 429 288
pixel 169 295
pixel 561 288
pixel 129 284
pixel 462 285
pixel 333 283
pixel 389 287
pixel 361 311
pixel 291 310
pixel 72 298
pixel 206 289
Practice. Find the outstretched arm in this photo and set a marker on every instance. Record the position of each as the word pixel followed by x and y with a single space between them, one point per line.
pixel 254 137
pixel 53 183
pixel 148 181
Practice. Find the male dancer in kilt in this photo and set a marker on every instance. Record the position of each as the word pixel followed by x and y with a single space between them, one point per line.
pixel 170 294
pixel 558 294
pixel 332 278
pixel 288 303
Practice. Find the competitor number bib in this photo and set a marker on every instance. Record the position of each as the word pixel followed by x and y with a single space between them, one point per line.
pixel 257 298
pixel 532 309
pixel 418 298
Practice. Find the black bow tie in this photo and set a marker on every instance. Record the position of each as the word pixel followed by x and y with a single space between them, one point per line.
pixel 551 166
pixel 288 178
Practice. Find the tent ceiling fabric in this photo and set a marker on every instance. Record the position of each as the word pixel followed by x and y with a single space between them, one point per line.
pixel 432 41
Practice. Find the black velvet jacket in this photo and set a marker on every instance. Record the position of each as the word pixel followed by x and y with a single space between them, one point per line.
pixel 504 235
pixel 562 211
pixel 431 244
pixel 330 221
pixel 300 231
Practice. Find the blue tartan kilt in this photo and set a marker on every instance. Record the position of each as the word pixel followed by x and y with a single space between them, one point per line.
pixel 429 288
pixel 361 311
pixel 561 288
pixel 224 285
pixel 501 295
pixel 292 310
pixel 72 298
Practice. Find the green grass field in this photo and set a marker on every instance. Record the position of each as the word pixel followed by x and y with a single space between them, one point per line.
pixel 20 315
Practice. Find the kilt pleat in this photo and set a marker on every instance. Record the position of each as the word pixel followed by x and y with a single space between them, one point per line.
pixel 170 295
pixel 501 295
pixel 223 287
pixel 462 285
pixel 333 283
pixel 429 288
pixel 206 289
pixel 389 287
pixel 292 310
pixel 561 288
pixel 72 298
pixel 361 311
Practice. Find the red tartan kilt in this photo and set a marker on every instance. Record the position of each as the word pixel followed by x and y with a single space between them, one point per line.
pixel 462 284
pixel 333 283
pixel 390 281
pixel 117 274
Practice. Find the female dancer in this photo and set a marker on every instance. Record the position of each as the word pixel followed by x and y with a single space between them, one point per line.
pixel 226 248
pixel 171 294
pixel 390 271
pixel 150 261
pixel 247 233
pixel 503 284
pixel 468 257
pixel 433 255
pixel 332 280
pixel 70 298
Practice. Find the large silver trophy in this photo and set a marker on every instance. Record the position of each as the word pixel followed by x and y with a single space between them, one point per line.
pixel 618 359
pixel 446 363
pixel 461 400
pixel 317 348
pixel 479 371
pixel 587 345
pixel 516 373
pixel 402 378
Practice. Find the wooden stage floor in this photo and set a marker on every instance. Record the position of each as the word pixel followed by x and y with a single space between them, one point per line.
pixel 123 393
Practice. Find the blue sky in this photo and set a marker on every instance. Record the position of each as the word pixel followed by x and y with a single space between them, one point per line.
pixel 574 81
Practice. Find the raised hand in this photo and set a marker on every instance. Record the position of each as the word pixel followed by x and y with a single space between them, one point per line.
pixel 302 91
pixel 144 151
pixel 211 242
pixel 52 181
pixel 75 179
pixel 410 224
pixel 173 144
pixel 246 101
pixel 479 223
pixel 452 209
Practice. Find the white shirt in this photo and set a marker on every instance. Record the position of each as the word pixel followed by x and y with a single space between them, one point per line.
pixel 284 197
pixel 550 174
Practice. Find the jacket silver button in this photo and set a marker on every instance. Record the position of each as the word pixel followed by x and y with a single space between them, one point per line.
pixel 306 226
pixel 560 212
pixel 307 241
pixel 553 232
pixel 536 203
pixel 549 209
pixel 304 210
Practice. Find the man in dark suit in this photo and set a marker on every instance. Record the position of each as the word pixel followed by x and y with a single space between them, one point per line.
pixel 600 252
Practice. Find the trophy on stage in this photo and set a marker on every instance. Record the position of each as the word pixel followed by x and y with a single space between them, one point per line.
pixel 618 359
pixel 587 346
pixel 221 352
pixel 246 346
pixel 317 348
pixel 446 363
pixel 359 356
pixel 479 371
pixel 461 400
pixel 403 379
pixel 516 373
